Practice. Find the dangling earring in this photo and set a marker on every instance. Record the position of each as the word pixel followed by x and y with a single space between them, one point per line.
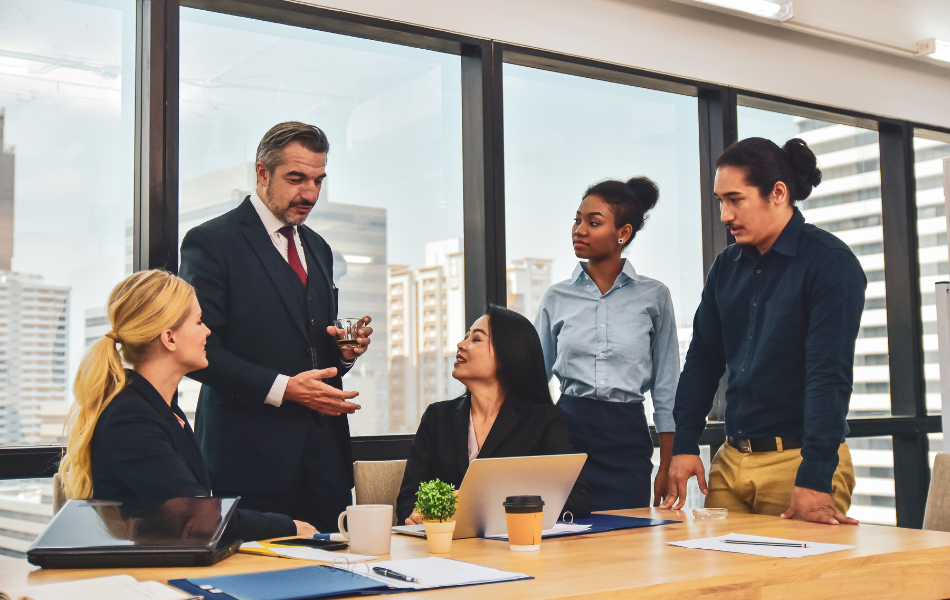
pixel 620 241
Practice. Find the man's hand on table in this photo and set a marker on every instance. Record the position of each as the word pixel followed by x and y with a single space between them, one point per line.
pixel 817 507
pixel 682 468
pixel 414 519
pixel 309 390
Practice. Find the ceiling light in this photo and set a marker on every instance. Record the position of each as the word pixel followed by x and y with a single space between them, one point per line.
pixel 776 10
pixel 360 260
pixel 936 49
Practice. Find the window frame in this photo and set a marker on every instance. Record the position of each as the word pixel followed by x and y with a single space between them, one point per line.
pixel 155 217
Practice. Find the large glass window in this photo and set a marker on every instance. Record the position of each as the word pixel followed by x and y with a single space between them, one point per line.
pixel 930 149
pixel 848 204
pixel 564 133
pixel 391 207
pixel 66 129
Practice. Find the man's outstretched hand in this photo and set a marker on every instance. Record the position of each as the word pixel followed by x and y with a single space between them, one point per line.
pixel 682 468
pixel 309 390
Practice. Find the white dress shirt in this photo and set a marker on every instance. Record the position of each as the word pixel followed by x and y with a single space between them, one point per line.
pixel 275 397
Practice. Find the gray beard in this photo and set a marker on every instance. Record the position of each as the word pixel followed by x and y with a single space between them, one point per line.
pixel 282 215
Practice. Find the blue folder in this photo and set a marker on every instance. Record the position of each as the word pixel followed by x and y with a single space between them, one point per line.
pixel 291 584
pixel 602 523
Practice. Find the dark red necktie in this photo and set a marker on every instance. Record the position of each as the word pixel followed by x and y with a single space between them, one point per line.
pixel 292 257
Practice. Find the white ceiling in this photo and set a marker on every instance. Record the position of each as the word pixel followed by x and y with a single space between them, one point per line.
pixel 893 24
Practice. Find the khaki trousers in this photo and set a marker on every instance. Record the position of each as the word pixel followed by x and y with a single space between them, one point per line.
pixel 761 482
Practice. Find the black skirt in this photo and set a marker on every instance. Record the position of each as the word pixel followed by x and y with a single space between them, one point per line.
pixel 616 438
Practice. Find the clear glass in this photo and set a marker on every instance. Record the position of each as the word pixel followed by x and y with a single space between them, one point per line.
pixel 873 497
pixel 564 133
pixel 930 149
pixel 27 508
pixel 847 204
pixel 66 122
pixel 391 207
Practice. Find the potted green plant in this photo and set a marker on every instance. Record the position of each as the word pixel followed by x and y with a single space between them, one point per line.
pixel 436 502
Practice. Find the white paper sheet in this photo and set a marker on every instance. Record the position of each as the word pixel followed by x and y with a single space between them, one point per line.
pixel 312 553
pixel 558 529
pixel 117 587
pixel 715 543
pixel 435 572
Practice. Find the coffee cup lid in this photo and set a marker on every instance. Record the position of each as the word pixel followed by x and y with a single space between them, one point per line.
pixel 525 501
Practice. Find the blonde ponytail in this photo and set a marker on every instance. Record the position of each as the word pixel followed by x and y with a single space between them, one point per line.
pixel 141 307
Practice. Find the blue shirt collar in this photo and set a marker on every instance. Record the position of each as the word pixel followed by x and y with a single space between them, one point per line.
pixel 627 273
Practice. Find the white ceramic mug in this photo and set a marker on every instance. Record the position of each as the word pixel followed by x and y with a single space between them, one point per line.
pixel 369 528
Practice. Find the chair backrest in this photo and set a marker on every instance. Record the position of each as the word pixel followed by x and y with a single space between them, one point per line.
pixel 937 515
pixel 59 493
pixel 378 481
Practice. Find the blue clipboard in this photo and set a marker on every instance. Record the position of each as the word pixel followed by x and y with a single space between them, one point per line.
pixel 604 523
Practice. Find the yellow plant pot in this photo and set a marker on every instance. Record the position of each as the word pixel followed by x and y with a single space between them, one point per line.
pixel 439 536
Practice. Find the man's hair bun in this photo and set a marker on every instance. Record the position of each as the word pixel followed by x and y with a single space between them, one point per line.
pixel 805 167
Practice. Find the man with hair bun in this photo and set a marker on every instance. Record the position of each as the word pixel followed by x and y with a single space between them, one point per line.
pixel 781 310
pixel 272 413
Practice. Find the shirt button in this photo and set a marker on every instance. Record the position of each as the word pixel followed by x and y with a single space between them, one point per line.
pixel 753 304
pixel 742 369
pixel 758 271
pixel 602 300
pixel 308 297
pixel 601 382
pixel 311 321
pixel 601 353
pixel 750 337
pixel 601 324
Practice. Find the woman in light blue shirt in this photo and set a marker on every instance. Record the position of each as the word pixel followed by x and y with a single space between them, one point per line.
pixel 609 336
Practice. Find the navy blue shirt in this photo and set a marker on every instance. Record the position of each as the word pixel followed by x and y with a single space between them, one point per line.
pixel 784 323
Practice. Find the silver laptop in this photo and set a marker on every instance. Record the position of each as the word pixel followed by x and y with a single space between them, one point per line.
pixel 489 481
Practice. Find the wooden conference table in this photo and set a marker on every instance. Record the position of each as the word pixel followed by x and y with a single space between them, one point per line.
pixel 887 563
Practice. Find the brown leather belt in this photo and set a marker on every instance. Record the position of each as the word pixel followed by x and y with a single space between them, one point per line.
pixel 765 445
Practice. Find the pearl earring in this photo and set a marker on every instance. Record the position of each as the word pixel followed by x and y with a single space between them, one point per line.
pixel 620 241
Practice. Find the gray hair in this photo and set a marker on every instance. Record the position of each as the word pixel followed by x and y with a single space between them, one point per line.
pixel 270 150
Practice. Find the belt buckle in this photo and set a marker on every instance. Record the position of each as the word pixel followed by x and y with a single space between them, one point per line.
pixel 745 446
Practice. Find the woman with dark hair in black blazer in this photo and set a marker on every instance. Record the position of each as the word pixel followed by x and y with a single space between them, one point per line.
pixel 506 411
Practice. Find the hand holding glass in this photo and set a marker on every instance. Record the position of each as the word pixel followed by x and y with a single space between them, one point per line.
pixel 347 331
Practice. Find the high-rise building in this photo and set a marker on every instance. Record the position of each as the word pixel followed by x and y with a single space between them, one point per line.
pixel 528 279
pixel 33 336
pixel 426 315
pixel 7 164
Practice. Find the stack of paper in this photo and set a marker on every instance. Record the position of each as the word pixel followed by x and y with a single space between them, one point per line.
pixel 304 553
pixel 435 572
pixel 761 546
pixel 119 587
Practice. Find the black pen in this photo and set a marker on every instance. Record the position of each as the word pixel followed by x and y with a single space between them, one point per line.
pixel 756 543
pixel 394 575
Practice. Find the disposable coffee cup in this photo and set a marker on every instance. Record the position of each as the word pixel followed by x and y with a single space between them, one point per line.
pixel 524 515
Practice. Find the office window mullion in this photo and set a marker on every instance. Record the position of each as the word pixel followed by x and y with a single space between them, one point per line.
pixel 155 217
pixel 483 191
pixel 905 349
pixel 717 131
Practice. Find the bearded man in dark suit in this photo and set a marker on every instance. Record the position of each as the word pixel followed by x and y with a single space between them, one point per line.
pixel 272 415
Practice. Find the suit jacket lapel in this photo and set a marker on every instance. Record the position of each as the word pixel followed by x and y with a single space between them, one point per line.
pixel 182 437
pixel 460 432
pixel 278 270
pixel 310 247
pixel 504 423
